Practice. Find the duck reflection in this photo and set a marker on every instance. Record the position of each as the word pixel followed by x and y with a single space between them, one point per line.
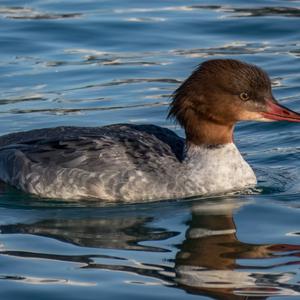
pixel 115 232
pixel 211 260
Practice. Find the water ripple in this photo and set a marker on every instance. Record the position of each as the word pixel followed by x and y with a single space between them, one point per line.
pixel 65 111
pixel 262 12
pixel 230 11
pixel 91 56
pixel 235 48
pixel 45 281
pixel 26 13
pixel 25 98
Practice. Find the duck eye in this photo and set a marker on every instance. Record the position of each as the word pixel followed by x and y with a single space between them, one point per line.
pixel 244 96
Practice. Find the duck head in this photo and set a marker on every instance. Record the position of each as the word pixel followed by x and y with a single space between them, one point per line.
pixel 220 93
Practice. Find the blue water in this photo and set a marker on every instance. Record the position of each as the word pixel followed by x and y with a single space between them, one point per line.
pixel 93 63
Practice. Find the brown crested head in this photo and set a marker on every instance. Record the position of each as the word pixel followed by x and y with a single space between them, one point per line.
pixel 218 94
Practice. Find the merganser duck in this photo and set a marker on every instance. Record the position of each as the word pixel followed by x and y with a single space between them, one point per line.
pixel 132 163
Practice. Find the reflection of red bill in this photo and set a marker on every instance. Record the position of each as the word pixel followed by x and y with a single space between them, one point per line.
pixel 277 112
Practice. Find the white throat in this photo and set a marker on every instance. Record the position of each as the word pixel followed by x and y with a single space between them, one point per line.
pixel 219 168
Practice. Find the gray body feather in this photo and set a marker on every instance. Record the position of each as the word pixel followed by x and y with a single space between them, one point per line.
pixel 117 163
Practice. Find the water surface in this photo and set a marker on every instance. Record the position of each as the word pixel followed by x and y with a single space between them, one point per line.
pixel 92 63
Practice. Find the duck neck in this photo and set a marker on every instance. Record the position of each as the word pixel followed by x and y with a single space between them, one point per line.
pixel 208 133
